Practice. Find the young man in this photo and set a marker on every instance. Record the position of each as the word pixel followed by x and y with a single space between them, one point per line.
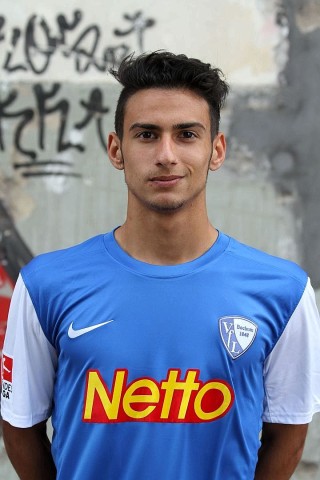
pixel 163 348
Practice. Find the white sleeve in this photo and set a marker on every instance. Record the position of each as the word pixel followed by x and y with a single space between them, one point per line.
pixel 28 364
pixel 292 370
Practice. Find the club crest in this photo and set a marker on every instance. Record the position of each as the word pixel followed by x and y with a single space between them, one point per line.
pixel 237 334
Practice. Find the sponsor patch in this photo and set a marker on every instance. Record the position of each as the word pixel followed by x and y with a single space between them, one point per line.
pixel 237 334
pixel 175 399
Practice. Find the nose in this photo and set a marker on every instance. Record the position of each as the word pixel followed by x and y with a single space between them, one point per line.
pixel 166 153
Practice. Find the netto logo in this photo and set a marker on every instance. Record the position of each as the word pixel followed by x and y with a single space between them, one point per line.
pixel 173 400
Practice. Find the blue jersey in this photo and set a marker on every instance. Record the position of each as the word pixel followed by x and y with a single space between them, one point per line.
pixel 161 370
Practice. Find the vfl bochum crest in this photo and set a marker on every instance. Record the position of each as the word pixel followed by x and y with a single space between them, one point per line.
pixel 237 334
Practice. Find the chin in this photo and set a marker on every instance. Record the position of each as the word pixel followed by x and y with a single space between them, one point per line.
pixel 166 207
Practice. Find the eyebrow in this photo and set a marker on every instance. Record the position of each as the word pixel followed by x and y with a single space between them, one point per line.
pixel 177 126
pixel 184 126
pixel 146 126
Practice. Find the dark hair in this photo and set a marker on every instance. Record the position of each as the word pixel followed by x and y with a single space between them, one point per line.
pixel 163 69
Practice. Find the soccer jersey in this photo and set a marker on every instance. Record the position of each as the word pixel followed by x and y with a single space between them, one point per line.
pixel 160 372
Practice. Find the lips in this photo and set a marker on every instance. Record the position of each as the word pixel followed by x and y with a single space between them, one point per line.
pixel 166 180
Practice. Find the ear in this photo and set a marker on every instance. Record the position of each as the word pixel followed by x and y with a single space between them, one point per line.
pixel 218 151
pixel 114 151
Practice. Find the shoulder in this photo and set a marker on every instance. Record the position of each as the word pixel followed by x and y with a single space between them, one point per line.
pixel 60 259
pixel 276 283
pixel 267 265
pixel 53 272
pixel 56 279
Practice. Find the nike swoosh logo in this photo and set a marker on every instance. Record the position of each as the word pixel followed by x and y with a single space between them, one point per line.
pixel 72 333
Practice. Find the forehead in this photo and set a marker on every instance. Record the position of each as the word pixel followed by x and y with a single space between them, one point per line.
pixel 160 105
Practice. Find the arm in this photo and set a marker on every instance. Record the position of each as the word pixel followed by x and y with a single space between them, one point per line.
pixel 281 450
pixel 31 377
pixel 291 393
pixel 29 451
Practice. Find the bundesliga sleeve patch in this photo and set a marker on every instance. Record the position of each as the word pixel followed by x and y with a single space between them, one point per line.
pixel 6 376
pixel 237 334
pixel 6 370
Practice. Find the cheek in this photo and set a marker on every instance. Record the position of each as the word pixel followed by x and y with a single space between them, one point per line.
pixel 200 167
pixel 133 172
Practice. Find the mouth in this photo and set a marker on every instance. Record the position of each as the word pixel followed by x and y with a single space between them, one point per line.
pixel 166 180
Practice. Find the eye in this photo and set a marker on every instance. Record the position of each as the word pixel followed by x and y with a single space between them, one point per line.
pixel 187 134
pixel 147 135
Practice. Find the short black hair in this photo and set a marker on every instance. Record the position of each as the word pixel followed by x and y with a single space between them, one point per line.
pixel 161 69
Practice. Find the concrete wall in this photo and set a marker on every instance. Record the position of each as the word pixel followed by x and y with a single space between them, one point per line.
pixel 57 103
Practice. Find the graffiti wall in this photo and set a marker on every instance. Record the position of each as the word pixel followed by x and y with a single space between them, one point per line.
pixel 32 47
pixel 48 125
pixel 57 102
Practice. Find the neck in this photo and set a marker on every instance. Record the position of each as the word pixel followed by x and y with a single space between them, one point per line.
pixel 166 238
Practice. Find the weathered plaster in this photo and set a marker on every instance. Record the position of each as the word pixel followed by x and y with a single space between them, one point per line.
pixel 308 15
pixel 287 133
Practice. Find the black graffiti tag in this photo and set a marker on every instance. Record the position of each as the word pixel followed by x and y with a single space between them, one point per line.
pixel 47 103
pixel 44 109
pixel 39 43
pixel 139 25
pixel 95 111
pixel 26 117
